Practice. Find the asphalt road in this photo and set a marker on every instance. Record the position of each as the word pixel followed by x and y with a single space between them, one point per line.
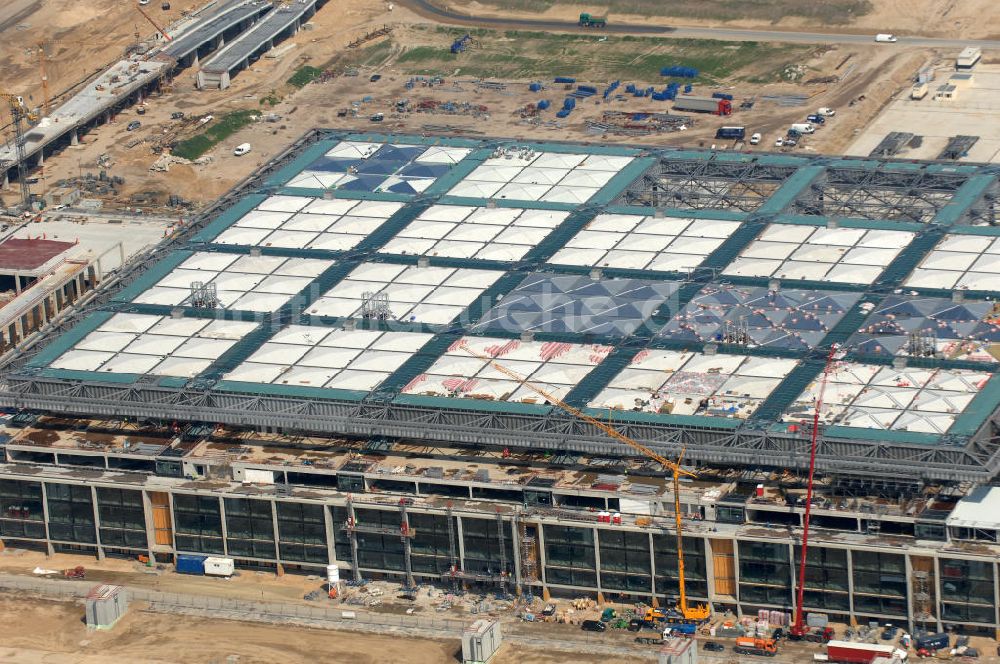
pixel 430 10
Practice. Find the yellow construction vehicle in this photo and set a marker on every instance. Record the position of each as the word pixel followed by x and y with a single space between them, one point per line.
pixel 689 613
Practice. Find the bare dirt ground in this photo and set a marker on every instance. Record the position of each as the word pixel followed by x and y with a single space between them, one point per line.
pixel 53 632
pixel 870 73
pixel 957 19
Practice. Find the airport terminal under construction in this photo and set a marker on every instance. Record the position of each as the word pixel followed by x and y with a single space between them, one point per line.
pixel 339 362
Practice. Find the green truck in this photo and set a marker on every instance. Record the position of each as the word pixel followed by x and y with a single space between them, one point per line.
pixel 591 21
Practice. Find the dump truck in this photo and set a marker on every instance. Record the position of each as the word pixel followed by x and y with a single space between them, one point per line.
pixel 591 21
pixel 703 105
pixel 746 645
pixel 849 652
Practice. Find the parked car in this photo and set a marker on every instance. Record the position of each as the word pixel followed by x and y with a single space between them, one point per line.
pixel 378 117
pixel 375 77
pixel 790 142
pixel 635 624
pixel 132 126
pixel 713 646
pixel 593 626
pixel 779 142
pixel 755 139
pixel 242 149
pixel 889 633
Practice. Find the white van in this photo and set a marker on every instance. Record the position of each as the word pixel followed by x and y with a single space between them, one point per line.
pixel 885 37
pixel 241 149
pixel 755 139
pixel 803 128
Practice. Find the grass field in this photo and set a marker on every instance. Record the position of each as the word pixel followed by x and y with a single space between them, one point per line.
pixel 199 144
pixel 819 11
pixel 530 55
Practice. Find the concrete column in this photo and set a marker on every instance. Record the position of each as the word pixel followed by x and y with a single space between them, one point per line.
pixel 6 180
pixel 736 577
pixel 74 137
pixel 17 283
pixel 173 522
pixel 41 157
pixel 540 538
pixel 277 536
pixel 459 533
pixel 795 576
pixel 45 515
pixel 515 538
pixel 225 530
pixel 194 59
pixel 97 521
pixel 331 549
pixel 709 570
pixel 850 587
pixel 996 599
pixel 147 516
pixel 597 565
pixel 937 592
pixel 908 568
pixel 652 572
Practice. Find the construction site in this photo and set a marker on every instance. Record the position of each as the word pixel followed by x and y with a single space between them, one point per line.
pixel 511 379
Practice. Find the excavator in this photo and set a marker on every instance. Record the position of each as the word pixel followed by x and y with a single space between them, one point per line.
pixel 694 613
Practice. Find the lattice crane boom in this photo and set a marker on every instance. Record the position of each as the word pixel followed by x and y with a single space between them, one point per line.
pixel 798 628
pixel 690 613
pixel 18 113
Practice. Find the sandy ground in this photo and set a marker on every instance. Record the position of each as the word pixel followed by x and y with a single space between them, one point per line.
pixel 53 632
pixel 78 37
pixel 970 19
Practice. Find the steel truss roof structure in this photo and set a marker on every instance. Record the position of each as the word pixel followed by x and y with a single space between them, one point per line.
pixel 757 191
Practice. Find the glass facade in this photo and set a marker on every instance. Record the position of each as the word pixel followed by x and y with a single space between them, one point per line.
pixel 429 547
pixel 249 528
pixel 71 513
pixel 625 561
pixel 481 541
pixel 377 551
pixel 198 524
pixel 879 583
pixel 21 512
pixel 302 533
pixel 695 575
pixel 827 579
pixel 765 573
pixel 123 521
pixel 967 593
pixel 569 556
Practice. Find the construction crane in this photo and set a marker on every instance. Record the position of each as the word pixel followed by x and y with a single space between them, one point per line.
pixel 19 114
pixel 798 629
pixel 689 613
pixel 154 24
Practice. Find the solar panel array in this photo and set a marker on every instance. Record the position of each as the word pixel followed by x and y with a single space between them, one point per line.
pixel 387 265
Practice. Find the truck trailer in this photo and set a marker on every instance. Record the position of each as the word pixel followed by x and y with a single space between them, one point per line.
pixel 704 105
pixel 731 132
pixel 746 645
pixel 591 21
pixel 849 652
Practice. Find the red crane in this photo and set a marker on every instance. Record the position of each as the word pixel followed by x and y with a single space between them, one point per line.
pixel 798 629
pixel 158 28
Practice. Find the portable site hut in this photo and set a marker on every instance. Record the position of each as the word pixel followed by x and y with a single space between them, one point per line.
pixel 480 641
pixel 105 605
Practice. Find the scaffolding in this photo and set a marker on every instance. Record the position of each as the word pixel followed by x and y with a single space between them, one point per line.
pixel 921 597
pixel 375 306
pixel 404 532
pixel 204 295
pixel 922 343
pixel 701 184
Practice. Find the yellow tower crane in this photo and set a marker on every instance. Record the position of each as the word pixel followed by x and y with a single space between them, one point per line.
pixel 692 613
pixel 19 114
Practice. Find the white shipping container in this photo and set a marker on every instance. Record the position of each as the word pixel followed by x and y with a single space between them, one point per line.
pixel 219 566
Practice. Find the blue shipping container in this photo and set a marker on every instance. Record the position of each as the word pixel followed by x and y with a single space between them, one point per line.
pixel 722 95
pixel 543 104
pixel 564 79
pixel 563 113
pixel 535 87
pixel 188 564
pixel 569 103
